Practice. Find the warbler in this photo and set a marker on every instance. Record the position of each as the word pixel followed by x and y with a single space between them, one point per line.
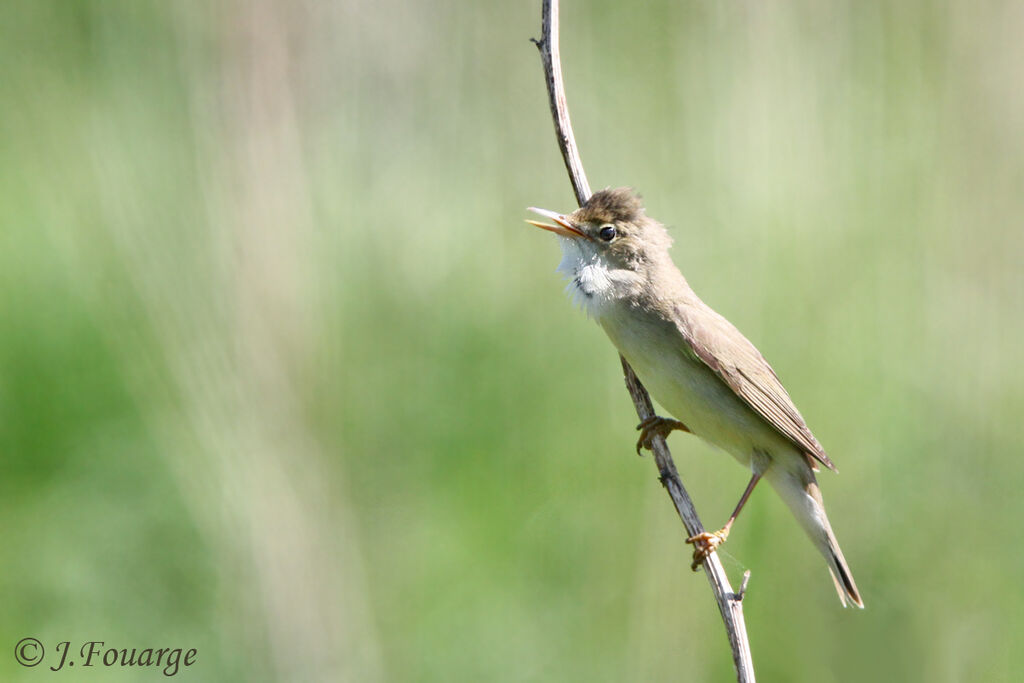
pixel 694 362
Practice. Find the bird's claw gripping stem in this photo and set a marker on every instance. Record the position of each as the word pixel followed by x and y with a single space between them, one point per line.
pixel 656 426
pixel 704 544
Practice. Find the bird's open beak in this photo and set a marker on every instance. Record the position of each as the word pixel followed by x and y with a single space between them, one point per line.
pixel 561 227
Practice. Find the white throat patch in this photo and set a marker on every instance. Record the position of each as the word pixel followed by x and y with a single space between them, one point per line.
pixel 591 284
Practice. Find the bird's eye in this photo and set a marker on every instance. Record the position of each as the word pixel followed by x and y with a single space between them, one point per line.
pixel 607 233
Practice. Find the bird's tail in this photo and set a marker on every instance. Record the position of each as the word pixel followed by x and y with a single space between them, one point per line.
pixel 803 497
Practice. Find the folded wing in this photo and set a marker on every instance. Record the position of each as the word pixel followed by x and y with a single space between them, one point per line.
pixel 720 346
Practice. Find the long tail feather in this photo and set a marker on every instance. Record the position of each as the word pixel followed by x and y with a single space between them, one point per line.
pixel 841 574
pixel 803 497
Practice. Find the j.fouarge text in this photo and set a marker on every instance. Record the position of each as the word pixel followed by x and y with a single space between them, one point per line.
pixel 96 653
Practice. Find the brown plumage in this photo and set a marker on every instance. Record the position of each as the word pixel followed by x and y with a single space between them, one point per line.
pixel 740 365
pixel 693 361
pixel 618 205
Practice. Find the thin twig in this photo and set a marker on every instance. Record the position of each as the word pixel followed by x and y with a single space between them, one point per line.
pixel 729 603
pixel 548 46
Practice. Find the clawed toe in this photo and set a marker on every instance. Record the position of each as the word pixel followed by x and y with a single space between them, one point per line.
pixel 704 544
pixel 656 426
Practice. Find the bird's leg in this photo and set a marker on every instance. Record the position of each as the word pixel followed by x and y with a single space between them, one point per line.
pixel 704 543
pixel 656 426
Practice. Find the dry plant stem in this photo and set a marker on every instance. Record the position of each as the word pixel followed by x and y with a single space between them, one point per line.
pixel 548 46
pixel 729 603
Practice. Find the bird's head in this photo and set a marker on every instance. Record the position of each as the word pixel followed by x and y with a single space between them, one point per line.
pixel 609 245
pixel 611 227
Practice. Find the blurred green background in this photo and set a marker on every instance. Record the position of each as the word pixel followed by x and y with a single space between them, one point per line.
pixel 285 378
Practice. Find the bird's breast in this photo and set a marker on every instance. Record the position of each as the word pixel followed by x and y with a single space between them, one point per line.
pixel 687 388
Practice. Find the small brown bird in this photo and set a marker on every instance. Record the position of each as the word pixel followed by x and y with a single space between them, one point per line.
pixel 694 363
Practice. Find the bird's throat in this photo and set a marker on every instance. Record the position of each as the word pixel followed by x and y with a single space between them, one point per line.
pixel 591 284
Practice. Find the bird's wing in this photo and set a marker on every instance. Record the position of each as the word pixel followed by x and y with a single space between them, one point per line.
pixel 720 346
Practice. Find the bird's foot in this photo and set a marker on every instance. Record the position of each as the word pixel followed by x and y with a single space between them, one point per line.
pixel 656 426
pixel 704 544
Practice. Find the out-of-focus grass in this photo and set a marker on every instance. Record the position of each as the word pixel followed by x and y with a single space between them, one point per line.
pixel 283 376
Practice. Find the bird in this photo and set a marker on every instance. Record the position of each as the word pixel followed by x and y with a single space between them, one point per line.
pixel 695 363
